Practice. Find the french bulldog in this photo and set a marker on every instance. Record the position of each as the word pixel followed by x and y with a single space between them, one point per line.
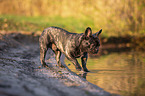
pixel 72 45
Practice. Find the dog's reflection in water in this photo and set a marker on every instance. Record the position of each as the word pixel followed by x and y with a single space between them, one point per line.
pixel 84 74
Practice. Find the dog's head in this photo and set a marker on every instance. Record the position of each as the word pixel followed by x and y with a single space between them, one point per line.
pixel 90 42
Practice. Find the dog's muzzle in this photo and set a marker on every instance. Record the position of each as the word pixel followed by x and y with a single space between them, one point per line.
pixel 94 51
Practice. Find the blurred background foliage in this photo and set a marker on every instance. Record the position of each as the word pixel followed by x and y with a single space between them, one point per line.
pixel 115 17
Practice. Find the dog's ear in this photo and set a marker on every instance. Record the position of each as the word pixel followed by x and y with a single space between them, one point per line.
pixel 88 32
pixel 98 33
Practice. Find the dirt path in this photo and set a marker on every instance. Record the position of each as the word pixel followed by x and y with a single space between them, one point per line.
pixel 20 74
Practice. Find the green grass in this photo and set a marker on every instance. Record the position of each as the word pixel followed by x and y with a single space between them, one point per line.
pixel 23 23
pixel 72 24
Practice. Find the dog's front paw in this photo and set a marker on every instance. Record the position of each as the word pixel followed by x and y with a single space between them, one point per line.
pixel 78 68
pixel 86 70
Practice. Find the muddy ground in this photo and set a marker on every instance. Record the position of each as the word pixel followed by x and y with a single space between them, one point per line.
pixel 20 74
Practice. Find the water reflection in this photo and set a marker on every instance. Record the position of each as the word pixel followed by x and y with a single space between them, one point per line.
pixel 119 73
pixel 84 75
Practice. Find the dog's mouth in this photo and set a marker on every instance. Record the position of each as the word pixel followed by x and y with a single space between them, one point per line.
pixel 94 51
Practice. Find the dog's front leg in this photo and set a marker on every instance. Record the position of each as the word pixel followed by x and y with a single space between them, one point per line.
pixel 75 62
pixel 58 54
pixel 84 61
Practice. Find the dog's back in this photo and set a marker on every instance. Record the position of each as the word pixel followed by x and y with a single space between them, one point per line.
pixel 60 37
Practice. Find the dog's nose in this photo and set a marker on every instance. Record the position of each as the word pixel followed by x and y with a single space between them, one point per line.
pixel 96 51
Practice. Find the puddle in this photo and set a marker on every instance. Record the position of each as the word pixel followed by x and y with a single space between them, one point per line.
pixel 119 73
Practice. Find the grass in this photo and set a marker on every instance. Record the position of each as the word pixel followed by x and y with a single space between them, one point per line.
pixel 72 24
pixel 24 23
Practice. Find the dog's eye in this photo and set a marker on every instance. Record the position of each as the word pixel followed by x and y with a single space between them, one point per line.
pixel 87 43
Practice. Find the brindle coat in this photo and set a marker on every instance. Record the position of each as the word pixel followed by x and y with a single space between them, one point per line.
pixel 73 45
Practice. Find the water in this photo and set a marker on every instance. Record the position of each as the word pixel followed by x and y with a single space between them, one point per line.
pixel 118 73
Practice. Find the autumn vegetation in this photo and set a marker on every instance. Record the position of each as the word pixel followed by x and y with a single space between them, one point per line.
pixel 115 17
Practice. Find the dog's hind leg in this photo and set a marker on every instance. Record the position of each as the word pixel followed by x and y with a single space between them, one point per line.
pixel 43 50
pixel 42 56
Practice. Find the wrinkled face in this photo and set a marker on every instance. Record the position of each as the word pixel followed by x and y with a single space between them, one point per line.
pixel 90 42
pixel 91 45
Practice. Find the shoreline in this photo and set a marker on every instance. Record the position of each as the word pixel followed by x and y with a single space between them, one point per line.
pixel 21 75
